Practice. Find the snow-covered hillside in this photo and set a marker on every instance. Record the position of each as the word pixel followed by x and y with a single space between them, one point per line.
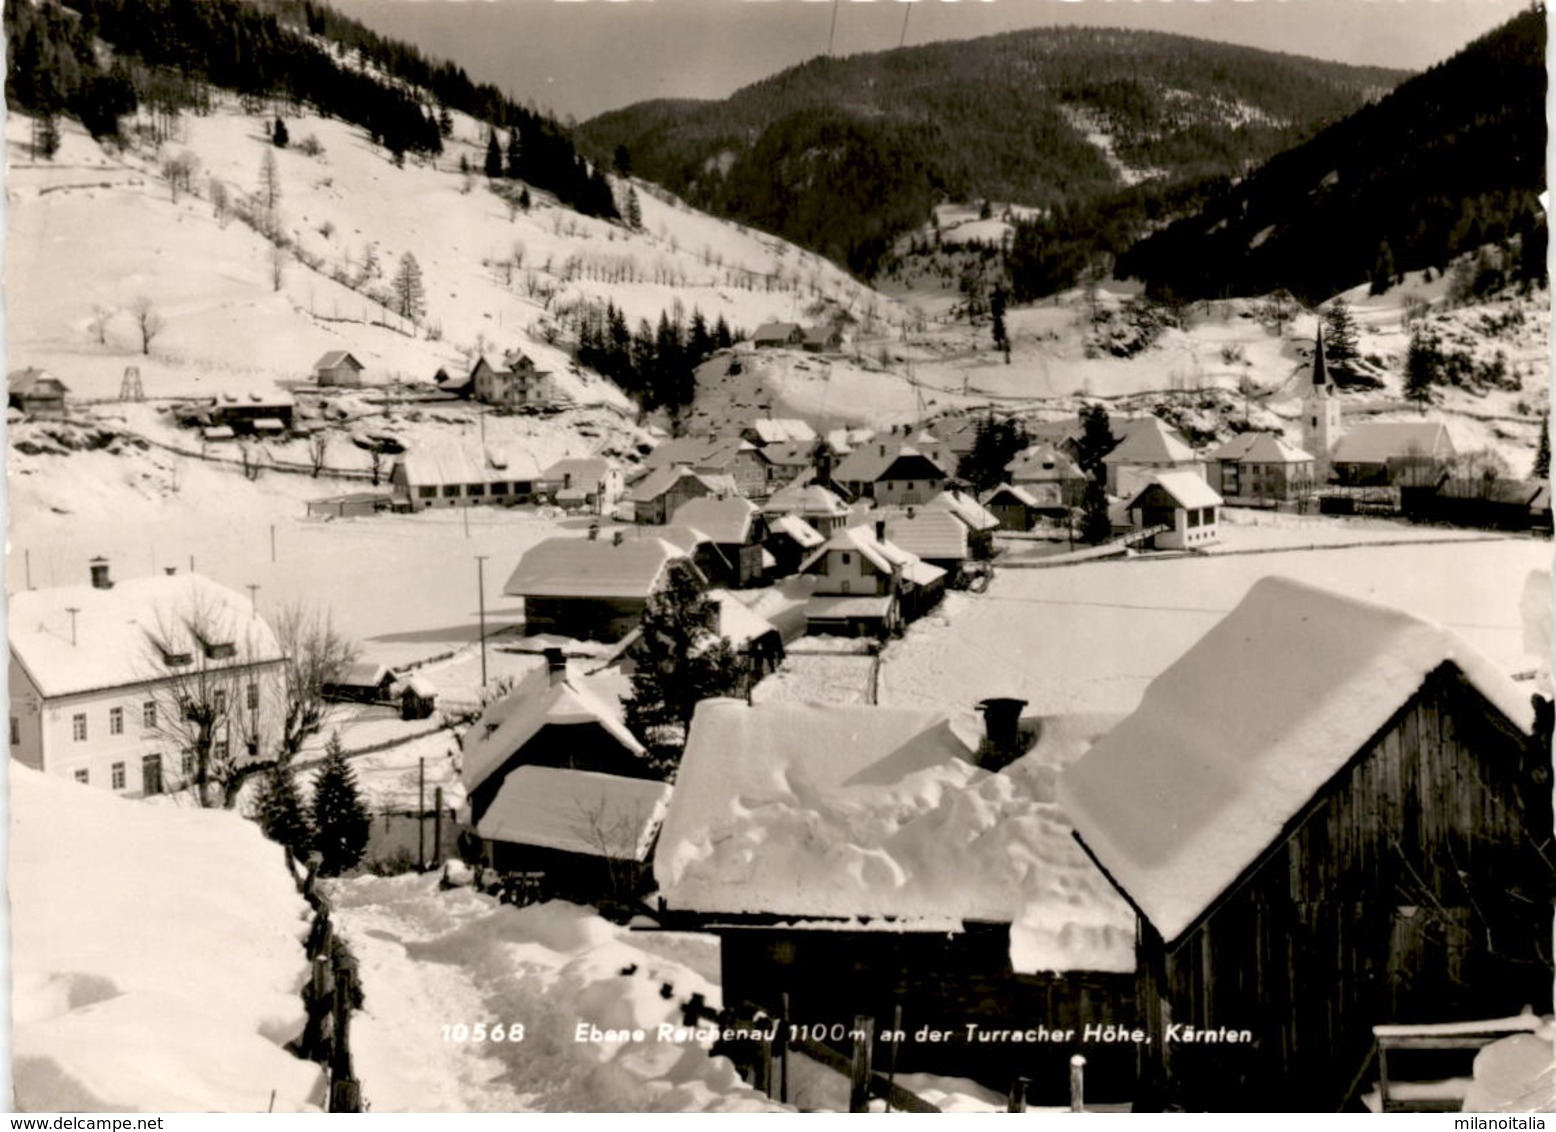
pixel 156 958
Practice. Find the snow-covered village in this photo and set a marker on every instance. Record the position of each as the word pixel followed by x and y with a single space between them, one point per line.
pixel 498 624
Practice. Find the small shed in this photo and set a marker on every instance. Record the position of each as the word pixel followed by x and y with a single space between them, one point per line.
pixel 418 698
pixel 363 682
pixel 1016 508
pixel 338 368
pixel 774 334
pixel 36 392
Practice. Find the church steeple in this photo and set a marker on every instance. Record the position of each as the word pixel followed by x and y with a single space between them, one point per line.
pixel 1321 426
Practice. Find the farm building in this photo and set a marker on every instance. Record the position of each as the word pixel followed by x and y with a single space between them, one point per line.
pixel 1392 453
pixel 736 528
pixel 591 482
pixel 591 588
pixel 1149 446
pixel 865 586
pixel 1182 502
pixel 338 368
pixel 258 416
pixel 1326 815
pixel 1496 502
pixel 740 460
pixel 98 672
pixel 1016 508
pixel 1050 476
pixel 663 491
pixel 555 783
pixel 35 392
pixel 1259 468
pixel 823 340
pixel 443 476
pixel 771 335
pixel 363 682
pixel 885 867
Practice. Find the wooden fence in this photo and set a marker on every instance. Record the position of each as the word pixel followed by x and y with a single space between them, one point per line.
pixel 330 995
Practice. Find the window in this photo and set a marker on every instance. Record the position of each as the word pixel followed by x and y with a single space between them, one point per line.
pixel 450 490
pixel 499 489
pixel 848 559
pixel 78 727
pixel 253 697
pixel 148 714
pixel 221 652
pixel 476 489
pixel 1193 513
pixel 116 721
pixel 219 701
pixel 16 731
pixel 118 776
pixel 83 776
pixel 151 774
pixel 426 492
pixel 1210 515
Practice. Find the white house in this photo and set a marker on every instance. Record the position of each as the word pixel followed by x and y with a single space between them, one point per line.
pixel 1185 504
pixel 1150 446
pixel 97 672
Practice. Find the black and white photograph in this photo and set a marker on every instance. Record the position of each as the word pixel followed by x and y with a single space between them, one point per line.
pixel 632 556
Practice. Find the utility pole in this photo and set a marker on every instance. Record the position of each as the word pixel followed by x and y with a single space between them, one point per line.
pixel 480 596
pixel 253 606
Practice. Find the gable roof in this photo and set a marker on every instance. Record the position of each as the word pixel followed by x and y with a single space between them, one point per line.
pixel 437 464
pixel 118 631
pixel 507 725
pixel 1260 448
pixel 804 535
pixel 852 810
pixel 776 430
pixel 930 533
pixel 333 358
pixel 576 811
pixel 1150 441
pixel 1378 442
pixel 591 470
pixel 661 480
pixel 806 499
pixel 966 508
pixel 737 623
pixel 1043 463
pixel 33 382
pixel 1239 735
pixel 776 331
pixel 880 553
pixel 727 520
pixel 1186 488
pixel 584 567
pixel 1019 494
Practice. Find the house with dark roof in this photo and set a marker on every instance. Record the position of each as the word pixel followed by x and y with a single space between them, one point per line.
pixel 1325 816
pixel 771 335
pixel 592 588
pixel 1182 502
pixel 890 474
pixel 556 784
pixel 735 526
pixel 1478 501
pixel 1392 453
pixel 1261 469
pixel 35 392
pixel 338 368
pixel 860 859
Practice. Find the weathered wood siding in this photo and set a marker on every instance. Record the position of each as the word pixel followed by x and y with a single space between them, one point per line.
pixel 943 981
pixel 1385 902
pixel 588 619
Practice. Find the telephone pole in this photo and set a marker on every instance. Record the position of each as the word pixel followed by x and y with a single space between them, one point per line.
pixel 480 596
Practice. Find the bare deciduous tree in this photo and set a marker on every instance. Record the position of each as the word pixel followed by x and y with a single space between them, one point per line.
pixel 97 325
pixel 318 449
pixel 317 654
pixel 147 320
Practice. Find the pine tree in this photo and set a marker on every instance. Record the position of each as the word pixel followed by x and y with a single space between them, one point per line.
pixel 524 201
pixel 634 210
pixel 1423 362
pixel 1096 527
pixel 409 295
pixel 340 820
pixel 279 810
pixel 1340 333
pixel 515 155
pixel 1097 440
pixel 493 155
pixel 997 316
pixel 679 661
pixel 280 136
pixel 995 444
pixel 1382 270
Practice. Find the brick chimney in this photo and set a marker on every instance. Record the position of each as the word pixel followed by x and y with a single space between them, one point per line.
pixel 1003 742
pixel 556 665
pixel 100 578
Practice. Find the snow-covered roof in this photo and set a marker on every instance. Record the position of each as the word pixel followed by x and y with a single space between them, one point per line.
pixel 1260 448
pixel 790 453
pixel 931 533
pixel 661 480
pixel 805 536
pixel 600 567
pixel 1042 463
pixel 1019 494
pixel 806 499
pixel 364 674
pixel 966 508
pixel 738 624
pixel 507 725
pixel 1150 441
pixel 435 465
pixel 218 432
pixel 588 471
pixel 33 382
pixel 121 634
pixel 333 358
pixel 726 520
pixel 872 461
pixel 776 331
pixel 577 811
pixel 1188 489
pixel 775 430
pixel 880 553
pixel 831 810
pixel 824 606
pixel 1237 737
pixel 1378 442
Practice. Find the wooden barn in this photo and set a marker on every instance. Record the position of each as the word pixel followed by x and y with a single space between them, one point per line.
pixel 35 392
pixel 857 860
pixel 363 682
pixel 1016 508
pixel 736 528
pixel 1392 454
pixel 556 784
pixel 1328 815
pixel 591 588
pixel 338 368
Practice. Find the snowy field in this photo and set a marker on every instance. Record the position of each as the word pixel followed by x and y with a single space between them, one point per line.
pixel 1090 637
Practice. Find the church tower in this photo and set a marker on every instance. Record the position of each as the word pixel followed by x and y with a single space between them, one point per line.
pixel 1321 427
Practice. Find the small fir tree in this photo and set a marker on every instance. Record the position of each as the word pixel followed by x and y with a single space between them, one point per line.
pixel 280 136
pixel 1340 333
pixel 1096 527
pixel 340 820
pixel 279 810
pixel 1423 362
pixel 409 294
pixel 493 166
pixel 1096 441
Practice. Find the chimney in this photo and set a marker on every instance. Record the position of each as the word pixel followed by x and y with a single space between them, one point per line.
pixel 100 579
pixel 910 511
pixel 170 570
pixel 880 530
pixel 1002 741
pixel 594 531
pixel 616 537
pixel 556 665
